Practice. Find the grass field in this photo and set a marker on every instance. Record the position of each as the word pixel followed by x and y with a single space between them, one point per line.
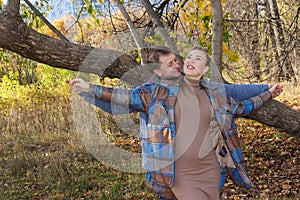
pixel 42 157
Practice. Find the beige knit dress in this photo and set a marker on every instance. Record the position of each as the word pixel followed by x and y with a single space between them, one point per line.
pixel 195 178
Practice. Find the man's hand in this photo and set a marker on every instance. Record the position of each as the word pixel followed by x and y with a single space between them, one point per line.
pixel 276 90
pixel 78 85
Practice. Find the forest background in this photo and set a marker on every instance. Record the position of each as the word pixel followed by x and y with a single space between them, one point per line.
pixel 41 154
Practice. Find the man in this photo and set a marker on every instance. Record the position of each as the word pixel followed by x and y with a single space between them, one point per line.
pixel 168 71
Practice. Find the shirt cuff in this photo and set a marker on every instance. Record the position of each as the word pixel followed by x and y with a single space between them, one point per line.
pixel 91 92
pixel 95 91
pixel 266 96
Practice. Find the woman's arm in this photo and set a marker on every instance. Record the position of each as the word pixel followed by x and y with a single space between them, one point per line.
pixel 244 91
pixel 244 107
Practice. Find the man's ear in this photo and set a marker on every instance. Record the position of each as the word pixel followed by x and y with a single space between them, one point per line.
pixel 157 72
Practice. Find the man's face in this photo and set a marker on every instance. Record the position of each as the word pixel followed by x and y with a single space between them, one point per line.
pixel 169 67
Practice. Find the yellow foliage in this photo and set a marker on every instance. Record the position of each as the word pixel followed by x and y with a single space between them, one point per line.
pixel 185 17
pixel 196 17
pixel 200 4
pixel 207 12
pixel 59 25
pixel 175 8
pixel 191 4
pixel 232 56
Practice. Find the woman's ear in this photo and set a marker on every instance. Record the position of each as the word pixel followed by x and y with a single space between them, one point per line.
pixel 205 70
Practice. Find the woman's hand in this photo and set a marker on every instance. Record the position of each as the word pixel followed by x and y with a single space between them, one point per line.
pixel 275 89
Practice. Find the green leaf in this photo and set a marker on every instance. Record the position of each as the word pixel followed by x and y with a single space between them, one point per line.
pixel 90 10
pixel 226 36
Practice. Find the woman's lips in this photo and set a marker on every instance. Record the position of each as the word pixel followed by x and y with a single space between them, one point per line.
pixel 190 67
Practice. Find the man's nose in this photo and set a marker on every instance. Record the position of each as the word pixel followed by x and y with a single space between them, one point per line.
pixel 176 64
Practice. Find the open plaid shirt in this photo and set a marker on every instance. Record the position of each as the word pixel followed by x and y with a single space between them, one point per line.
pixel 156 102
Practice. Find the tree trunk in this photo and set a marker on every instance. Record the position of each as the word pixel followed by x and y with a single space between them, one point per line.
pixel 255 56
pixel 17 37
pixel 285 71
pixel 159 25
pixel 217 36
pixel 139 42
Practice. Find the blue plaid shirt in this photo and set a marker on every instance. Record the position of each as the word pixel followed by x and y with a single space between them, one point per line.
pixel 156 103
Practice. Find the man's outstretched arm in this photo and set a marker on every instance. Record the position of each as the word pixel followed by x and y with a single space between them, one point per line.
pixel 108 107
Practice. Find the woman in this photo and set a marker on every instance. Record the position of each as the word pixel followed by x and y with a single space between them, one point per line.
pixel 196 177
pixel 167 106
pixel 197 169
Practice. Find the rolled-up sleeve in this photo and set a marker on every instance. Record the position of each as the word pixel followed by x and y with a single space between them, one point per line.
pixel 244 107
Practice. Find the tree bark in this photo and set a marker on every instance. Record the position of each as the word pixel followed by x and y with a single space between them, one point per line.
pixel 280 116
pixel 17 37
pixel 285 71
pixel 159 25
pixel 138 40
pixel 254 48
pixel 217 36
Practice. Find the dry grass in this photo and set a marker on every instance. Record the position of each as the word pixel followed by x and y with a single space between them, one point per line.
pixel 41 157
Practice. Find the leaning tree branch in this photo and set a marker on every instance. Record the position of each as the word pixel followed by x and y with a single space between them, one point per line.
pixel 280 116
pixel 17 37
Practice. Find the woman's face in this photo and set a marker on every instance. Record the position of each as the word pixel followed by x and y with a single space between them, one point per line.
pixel 194 66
